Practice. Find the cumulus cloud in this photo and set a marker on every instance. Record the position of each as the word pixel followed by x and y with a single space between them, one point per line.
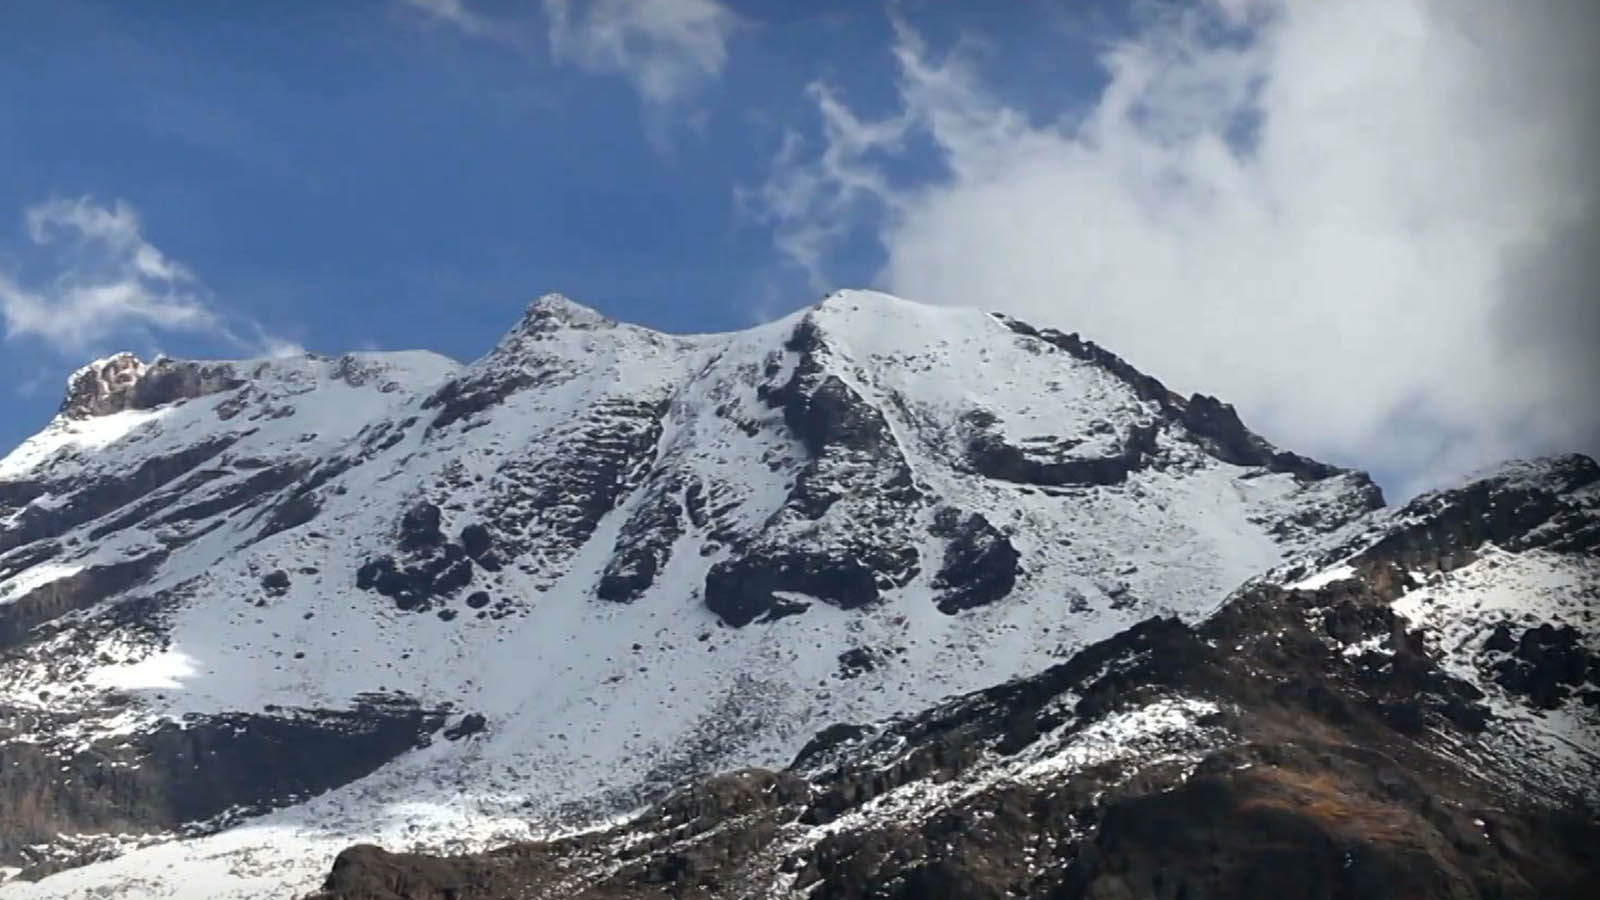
pixel 108 282
pixel 1373 225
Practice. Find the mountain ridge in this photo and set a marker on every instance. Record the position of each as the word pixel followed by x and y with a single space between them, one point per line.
pixel 615 558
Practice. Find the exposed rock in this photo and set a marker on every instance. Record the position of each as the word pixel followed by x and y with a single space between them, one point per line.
pixel 476 540
pixel 741 590
pixel 84 501
pixel 470 724
pixel 71 592
pixel 462 398
pixel 276 581
pixel 980 564
pixel 992 457
pixel 189 774
pixel 419 528
pixel 123 382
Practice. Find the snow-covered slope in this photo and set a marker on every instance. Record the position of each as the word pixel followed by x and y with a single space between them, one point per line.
pixel 1409 709
pixel 542 589
pixel 1499 582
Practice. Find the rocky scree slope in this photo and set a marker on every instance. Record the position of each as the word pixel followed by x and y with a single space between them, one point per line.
pixel 1411 710
pixel 245 607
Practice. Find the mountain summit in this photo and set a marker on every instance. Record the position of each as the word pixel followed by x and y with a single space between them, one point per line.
pixel 254 612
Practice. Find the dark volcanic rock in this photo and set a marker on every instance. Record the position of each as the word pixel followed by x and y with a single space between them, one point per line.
pixel 741 590
pixel 476 541
pixel 87 500
pixel 994 458
pixel 646 539
pixel 419 527
pixel 551 503
pixel 461 398
pixel 1546 664
pixel 78 590
pixel 189 774
pixel 980 564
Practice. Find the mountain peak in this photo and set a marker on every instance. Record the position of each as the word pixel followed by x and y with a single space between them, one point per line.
pixel 555 310
pixel 122 382
pixel 102 386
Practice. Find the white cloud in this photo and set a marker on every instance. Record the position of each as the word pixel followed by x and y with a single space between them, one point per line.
pixel 108 282
pixel 666 48
pixel 1373 225
pixel 454 12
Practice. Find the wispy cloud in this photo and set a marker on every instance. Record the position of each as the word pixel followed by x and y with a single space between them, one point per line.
pixel 106 281
pixel 667 48
pixel 1372 224
pixel 455 13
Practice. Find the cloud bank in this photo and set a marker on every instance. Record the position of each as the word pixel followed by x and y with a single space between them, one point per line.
pixel 1373 225
pixel 107 282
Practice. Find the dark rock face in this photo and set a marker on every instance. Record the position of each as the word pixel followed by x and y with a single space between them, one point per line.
pixel 428 568
pixel 1310 824
pixel 855 473
pixel 993 458
pixel 85 501
pixel 476 541
pixel 980 564
pixel 122 382
pixel 188 775
pixel 646 539
pixel 76 591
pixel 470 724
pixel 550 504
pixel 742 590
pixel 1450 525
pixel 1545 664
pixel 462 399
pixel 418 585
pixel 298 508
pixel 1216 425
pixel 419 527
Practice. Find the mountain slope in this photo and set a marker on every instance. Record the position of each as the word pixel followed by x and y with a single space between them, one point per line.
pixel 1367 731
pixel 400 600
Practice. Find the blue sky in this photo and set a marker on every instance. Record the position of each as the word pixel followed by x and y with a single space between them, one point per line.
pixel 409 173
pixel 365 174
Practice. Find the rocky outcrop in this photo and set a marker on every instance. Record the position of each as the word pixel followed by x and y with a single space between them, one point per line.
pixel 853 499
pixel 123 382
pixel 188 775
pixel 980 564
pixel 990 456
pixel 742 590
pixel 83 501
pixel 79 589
pixel 1205 419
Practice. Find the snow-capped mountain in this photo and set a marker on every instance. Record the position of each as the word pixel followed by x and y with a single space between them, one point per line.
pixel 1410 709
pixel 254 612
